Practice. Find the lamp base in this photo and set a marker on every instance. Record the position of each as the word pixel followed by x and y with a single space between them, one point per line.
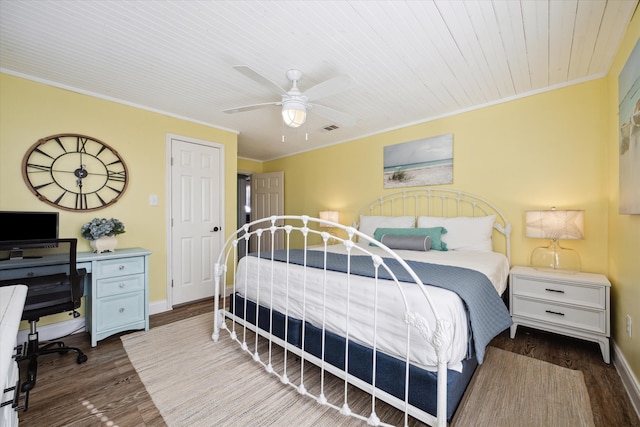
pixel 555 257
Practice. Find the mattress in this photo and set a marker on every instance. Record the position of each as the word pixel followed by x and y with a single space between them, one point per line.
pixel 344 304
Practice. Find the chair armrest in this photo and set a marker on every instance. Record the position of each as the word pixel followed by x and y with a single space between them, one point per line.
pixel 77 284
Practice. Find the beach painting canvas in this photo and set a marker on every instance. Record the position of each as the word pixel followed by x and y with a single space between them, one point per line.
pixel 427 161
pixel 629 117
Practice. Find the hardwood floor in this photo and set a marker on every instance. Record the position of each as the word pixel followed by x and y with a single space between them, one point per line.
pixel 106 391
pixel 609 401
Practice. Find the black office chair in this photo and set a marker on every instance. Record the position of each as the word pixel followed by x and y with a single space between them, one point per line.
pixel 49 294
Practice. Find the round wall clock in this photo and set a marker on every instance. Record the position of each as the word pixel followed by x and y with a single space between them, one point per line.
pixel 74 172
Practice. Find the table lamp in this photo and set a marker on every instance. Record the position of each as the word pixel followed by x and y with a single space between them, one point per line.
pixel 555 224
pixel 333 216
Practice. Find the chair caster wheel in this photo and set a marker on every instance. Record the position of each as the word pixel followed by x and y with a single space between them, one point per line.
pixel 82 358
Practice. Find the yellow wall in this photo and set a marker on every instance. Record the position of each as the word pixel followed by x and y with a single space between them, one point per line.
pixel 541 151
pixel 249 166
pixel 29 111
pixel 558 148
pixel 624 230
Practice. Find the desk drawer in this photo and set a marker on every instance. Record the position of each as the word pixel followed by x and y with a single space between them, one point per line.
pixel 120 267
pixel 120 285
pixel 119 310
pixel 573 317
pixel 20 273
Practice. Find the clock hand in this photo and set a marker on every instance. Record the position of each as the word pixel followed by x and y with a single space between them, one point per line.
pixel 80 173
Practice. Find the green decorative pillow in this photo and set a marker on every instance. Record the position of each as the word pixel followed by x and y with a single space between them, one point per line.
pixel 435 233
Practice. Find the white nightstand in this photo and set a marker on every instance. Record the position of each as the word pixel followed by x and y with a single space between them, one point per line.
pixel 573 304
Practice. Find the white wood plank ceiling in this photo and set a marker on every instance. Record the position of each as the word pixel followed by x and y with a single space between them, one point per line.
pixel 411 61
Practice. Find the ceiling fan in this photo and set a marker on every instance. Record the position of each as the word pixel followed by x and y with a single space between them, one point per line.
pixel 296 104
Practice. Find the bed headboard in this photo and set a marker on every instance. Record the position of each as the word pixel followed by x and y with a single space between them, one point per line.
pixel 433 201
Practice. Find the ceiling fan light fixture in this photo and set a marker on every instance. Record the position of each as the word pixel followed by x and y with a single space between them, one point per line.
pixel 294 113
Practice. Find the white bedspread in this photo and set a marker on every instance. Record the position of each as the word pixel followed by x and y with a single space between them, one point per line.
pixel 298 292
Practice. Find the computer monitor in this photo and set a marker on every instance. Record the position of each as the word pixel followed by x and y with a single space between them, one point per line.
pixel 21 230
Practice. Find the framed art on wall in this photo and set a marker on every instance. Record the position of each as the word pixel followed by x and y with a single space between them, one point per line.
pixel 427 161
pixel 629 117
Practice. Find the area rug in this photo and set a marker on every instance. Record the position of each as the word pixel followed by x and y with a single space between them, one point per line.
pixel 194 381
pixel 513 390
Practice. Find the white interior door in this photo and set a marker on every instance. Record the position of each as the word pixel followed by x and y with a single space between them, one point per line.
pixel 267 198
pixel 196 216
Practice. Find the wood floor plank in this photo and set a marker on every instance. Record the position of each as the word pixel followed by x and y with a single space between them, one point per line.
pixel 65 390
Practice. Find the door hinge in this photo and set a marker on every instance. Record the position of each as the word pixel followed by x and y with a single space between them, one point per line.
pixel 172 283
pixel 172 161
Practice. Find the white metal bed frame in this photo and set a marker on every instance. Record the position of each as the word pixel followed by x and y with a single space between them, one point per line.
pixel 442 202
pixel 430 201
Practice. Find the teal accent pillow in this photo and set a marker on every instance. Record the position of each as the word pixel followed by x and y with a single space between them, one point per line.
pixel 435 233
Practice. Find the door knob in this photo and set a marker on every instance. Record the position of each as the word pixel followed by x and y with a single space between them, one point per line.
pixel 215 229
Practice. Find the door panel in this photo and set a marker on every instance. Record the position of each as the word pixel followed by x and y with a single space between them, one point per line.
pixel 196 177
pixel 267 198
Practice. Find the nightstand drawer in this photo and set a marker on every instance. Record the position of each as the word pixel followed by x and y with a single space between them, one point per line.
pixel 573 317
pixel 120 285
pixel 559 291
pixel 120 310
pixel 120 267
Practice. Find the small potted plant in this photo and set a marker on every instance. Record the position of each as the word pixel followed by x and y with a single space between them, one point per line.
pixel 101 233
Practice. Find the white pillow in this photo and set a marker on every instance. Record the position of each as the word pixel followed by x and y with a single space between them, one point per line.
pixel 369 223
pixel 463 233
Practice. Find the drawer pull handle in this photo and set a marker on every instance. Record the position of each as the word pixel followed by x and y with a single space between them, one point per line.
pixel 121 267
pixel 121 285
pixel 555 290
pixel 554 312
pixel 121 310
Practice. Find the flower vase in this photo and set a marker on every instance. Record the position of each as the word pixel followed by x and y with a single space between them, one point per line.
pixel 104 244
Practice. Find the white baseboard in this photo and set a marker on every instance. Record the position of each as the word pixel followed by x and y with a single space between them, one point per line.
pixel 629 380
pixel 57 330
pixel 156 307
pixel 54 331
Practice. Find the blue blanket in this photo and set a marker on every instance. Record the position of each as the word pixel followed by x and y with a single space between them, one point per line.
pixel 488 315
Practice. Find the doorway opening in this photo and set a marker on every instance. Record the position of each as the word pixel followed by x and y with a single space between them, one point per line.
pixel 244 206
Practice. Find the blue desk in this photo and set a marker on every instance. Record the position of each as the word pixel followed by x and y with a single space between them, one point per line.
pixel 116 287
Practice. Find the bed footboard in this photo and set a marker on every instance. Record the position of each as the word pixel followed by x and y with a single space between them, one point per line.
pixel 289 304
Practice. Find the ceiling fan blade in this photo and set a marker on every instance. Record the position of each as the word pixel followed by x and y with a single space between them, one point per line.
pixel 251 107
pixel 333 115
pixel 329 87
pixel 257 77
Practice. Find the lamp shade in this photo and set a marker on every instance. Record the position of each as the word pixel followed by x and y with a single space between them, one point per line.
pixel 555 224
pixel 294 113
pixel 333 216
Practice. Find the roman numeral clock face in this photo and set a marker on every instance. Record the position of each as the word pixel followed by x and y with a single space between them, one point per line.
pixel 74 172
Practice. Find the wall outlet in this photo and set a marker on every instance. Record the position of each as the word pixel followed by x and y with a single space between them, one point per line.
pixel 629 324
